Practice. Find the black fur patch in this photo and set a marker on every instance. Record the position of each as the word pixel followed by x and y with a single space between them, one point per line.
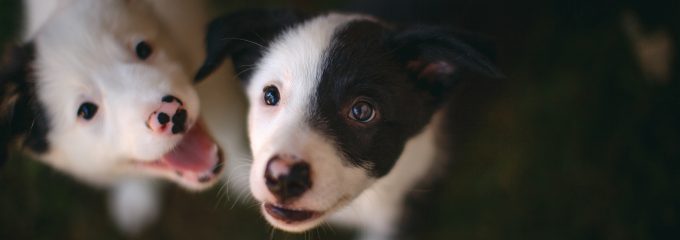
pixel 22 116
pixel 244 36
pixel 370 61
pixel 361 63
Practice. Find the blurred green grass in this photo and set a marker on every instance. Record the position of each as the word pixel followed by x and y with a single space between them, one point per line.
pixel 576 144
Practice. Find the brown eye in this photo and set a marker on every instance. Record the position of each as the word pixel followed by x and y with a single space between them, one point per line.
pixel 87 110
pixel 362 111
pixel 143 50
pixel 271 95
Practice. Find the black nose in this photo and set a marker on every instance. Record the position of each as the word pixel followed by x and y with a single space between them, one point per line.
pixel 287 178
pixel 170 117
pixel 179 119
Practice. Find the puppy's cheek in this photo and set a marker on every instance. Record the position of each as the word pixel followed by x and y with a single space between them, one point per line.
pixel 257 181
pixel 259 129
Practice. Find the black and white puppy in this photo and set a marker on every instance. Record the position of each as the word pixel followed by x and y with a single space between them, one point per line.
pixel 344 111
pixel 103 90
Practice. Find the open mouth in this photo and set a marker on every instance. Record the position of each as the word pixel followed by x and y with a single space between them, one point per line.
pixel 196 158
pixel 290 216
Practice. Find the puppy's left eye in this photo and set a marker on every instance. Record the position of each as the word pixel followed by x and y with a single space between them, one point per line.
pixel 271 95
pixel 362 111
pixel 143 50
pixel 87 110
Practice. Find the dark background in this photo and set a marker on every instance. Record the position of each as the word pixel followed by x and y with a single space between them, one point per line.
pixel 577 143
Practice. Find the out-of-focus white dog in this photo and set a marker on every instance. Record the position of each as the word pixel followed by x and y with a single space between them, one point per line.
pixel 103 90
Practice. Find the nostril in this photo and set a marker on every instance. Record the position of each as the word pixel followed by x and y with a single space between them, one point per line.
pixel 287 180
pixel 178 129
pixel 163 118
pixel 299 174
pixel 180 117
pixel 179 121
pixel 298 179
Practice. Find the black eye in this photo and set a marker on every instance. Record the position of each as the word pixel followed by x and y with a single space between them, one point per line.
pixel 143 50
pixel 362 111
pixel 271 95
pixel 87 110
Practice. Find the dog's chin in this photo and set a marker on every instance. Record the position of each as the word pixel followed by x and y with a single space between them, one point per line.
pixel 196 162
pixel 296 219
pixel 292 220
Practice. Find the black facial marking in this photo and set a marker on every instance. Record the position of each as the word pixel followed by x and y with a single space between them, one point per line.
pixel 406 75
pixel 170 99
pixel 22 116
pixel 244 36
pixel 360 64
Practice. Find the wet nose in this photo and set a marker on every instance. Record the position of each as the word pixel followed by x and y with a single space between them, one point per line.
pixel 169 118
pixel 287 177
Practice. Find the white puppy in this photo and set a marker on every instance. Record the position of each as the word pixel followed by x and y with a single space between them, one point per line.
pixel 102 90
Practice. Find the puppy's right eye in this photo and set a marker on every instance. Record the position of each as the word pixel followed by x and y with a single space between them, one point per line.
pixel 271 95
pixel 362 111
pixel 87 110
pixel 143 50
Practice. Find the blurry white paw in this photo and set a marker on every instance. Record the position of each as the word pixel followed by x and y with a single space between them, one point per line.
pixel 134 204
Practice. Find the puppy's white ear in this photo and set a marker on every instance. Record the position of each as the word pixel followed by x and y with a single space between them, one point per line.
pixel 436 56
pixel 15 71
pixel 244 36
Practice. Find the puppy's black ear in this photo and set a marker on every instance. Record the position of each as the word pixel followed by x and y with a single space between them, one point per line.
pixel 244 36
pixel 435 57
pixel 15 69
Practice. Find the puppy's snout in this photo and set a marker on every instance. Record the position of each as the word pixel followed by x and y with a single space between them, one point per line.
pixel 287 178
pixel 170 117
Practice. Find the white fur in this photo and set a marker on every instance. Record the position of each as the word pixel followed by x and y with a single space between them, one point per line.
pixel 38 12
pixel 134 204
pixel 293 64
pixel 85 52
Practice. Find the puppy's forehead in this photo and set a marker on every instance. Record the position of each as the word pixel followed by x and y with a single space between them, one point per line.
pixel 296 57
pixel 295 62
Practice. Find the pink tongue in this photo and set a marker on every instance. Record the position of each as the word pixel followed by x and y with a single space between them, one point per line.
pixel 196 152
